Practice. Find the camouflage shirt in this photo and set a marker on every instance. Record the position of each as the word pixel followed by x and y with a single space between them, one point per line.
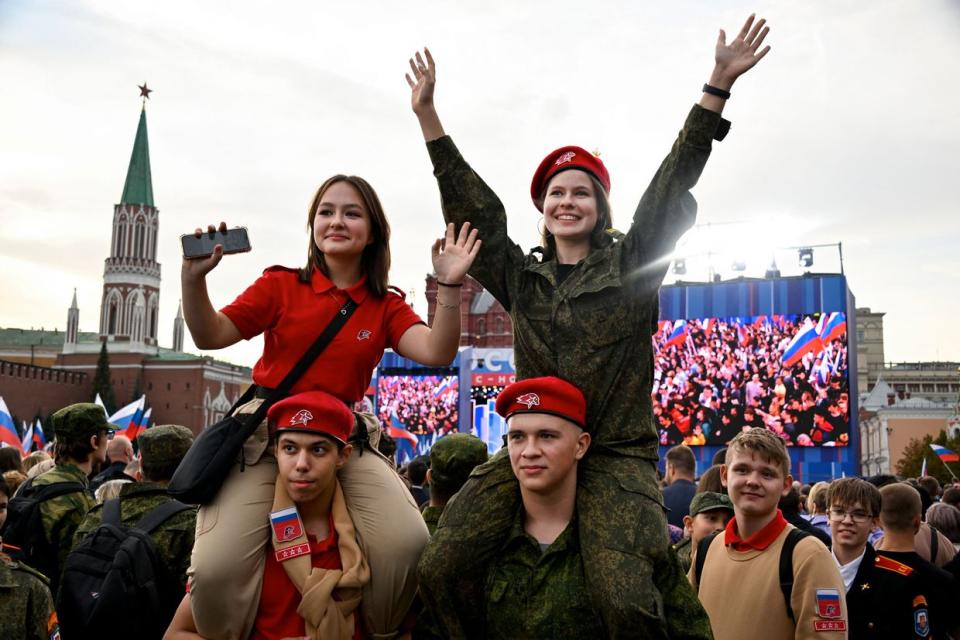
pixel 26 606
pixel 683 549
pixel 174 538
pixel 60 517
pixel 540 594
pixel 592 329
pixel 431 515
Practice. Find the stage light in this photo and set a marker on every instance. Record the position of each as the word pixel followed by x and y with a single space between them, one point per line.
pixel 739 265
pixel 805 256
pixel 680 267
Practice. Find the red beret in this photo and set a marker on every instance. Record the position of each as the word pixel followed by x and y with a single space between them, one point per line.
pixel 567 158
pixel 313 412
pixel 544 395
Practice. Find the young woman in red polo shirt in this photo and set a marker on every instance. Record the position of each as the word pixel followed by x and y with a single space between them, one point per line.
pixel 582 310
pixel 348 255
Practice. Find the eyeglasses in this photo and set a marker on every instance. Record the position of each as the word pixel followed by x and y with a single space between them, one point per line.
pixel 837 515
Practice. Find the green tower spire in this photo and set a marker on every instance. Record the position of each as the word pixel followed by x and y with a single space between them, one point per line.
pixel 138 188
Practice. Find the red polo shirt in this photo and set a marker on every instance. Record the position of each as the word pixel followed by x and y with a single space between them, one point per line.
pixel 291 314
pixel 277 615
pixel 760 540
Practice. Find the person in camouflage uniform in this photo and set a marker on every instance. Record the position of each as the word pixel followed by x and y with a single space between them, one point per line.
pixel 584 312
pixel 26 606
pixel 709 512
pixel 161 449
pixel 81 436
pixel 452 459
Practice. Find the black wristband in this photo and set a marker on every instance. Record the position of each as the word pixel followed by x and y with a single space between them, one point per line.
pixel 452 286
pixel 716 91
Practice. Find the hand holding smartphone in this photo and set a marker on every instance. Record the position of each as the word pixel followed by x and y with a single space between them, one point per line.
pixel 200 244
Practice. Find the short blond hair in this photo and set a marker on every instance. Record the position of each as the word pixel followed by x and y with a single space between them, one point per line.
pixel 817 500
pixel 762 442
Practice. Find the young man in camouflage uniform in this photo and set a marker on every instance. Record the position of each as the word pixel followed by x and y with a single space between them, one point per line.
pixel 81 436
pixel 451 461
pixel 161 450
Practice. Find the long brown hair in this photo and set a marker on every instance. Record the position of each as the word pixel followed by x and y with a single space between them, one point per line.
pixel 599 237
pixel 375 260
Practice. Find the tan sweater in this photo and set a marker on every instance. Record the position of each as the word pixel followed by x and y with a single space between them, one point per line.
pixel 741 592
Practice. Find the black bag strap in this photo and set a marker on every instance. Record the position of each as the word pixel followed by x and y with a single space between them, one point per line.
pixel 283 389
pixel 111 512
pixel 55 490
pixel 160 514
pixel 786 566
pixel 702 547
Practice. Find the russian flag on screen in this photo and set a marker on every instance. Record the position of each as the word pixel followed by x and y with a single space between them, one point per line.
pixel 678 335
pixel 806 341
pixel 398 431
pixel 448 384
pixel 834 327
pixel 8 431
pixel 945 454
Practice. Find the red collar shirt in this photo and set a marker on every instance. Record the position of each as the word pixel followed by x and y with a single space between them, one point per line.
pixel 760 540
pixel 291 314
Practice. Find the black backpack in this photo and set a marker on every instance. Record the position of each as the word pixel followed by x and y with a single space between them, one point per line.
pixel 23 529
pixel 786 563
pixel 115 584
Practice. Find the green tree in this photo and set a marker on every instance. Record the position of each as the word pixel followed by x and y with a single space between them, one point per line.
pixel 918 449
pixel 101 380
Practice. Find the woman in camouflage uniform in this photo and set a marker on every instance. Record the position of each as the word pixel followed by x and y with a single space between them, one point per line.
pixel 584 311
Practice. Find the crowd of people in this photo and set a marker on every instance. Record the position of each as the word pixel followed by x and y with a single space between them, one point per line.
pixel 725 375
pixel 423 405
pixel 310 531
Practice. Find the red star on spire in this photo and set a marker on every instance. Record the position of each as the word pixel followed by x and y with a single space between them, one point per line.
pixel 144 92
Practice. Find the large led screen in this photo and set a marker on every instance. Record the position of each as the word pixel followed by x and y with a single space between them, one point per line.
pixel 715 377
pixel 417 410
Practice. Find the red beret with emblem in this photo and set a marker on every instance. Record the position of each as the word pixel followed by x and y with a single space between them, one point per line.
pixel 544 395
pixel 562 159
pixel 313 412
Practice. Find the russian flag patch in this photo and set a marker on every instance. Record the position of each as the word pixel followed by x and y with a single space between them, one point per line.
pixel 286 524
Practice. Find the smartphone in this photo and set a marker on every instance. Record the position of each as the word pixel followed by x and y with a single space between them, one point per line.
pixel 233 240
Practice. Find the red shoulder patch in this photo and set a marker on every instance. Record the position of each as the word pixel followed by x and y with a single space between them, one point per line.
pixel 883 562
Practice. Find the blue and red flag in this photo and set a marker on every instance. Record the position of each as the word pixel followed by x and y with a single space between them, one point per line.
pixel 39 439
pixel 286 524
pixel 678 336
pixel 945 455
pixel 447 385
pixel 828 603
pixel 26 443
pixel 398 431
pixel 8 430
pixel 806 341
pixel 834 327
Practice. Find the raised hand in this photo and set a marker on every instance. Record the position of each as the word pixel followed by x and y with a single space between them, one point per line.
pixel 422 82
pixel 197 268
pixel 452 259
pixel 734 59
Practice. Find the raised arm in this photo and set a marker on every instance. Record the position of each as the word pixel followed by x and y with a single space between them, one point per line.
pixel 667 208
pixel 422 83
pixel 209 328
pixel 437 345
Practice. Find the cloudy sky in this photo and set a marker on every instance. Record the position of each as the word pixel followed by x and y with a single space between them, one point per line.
pixel 846 132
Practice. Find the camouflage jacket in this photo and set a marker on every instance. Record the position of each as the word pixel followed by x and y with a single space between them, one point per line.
pixel 431 515
pixel 26 606
pixel 683 549
pixel 174 538
pixel 60 517
pixel 593 328
pixel 540 594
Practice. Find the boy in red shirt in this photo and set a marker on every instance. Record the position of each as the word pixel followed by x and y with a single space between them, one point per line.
pixel 314 569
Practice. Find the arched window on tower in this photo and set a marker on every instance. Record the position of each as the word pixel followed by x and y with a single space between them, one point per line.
pixel 112 317
pixel 153 323
pixel 499 324
pixel 139 235
pixel 122 237
pixel 481 327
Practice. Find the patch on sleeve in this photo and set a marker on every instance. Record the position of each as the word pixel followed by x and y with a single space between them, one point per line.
pixel 921 622
pixel 53 627
pixel 829 625
pixel 292 552
pixel 286 524
pixel 828 603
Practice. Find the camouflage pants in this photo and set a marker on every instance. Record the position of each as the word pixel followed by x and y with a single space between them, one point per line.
pixel 636 582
